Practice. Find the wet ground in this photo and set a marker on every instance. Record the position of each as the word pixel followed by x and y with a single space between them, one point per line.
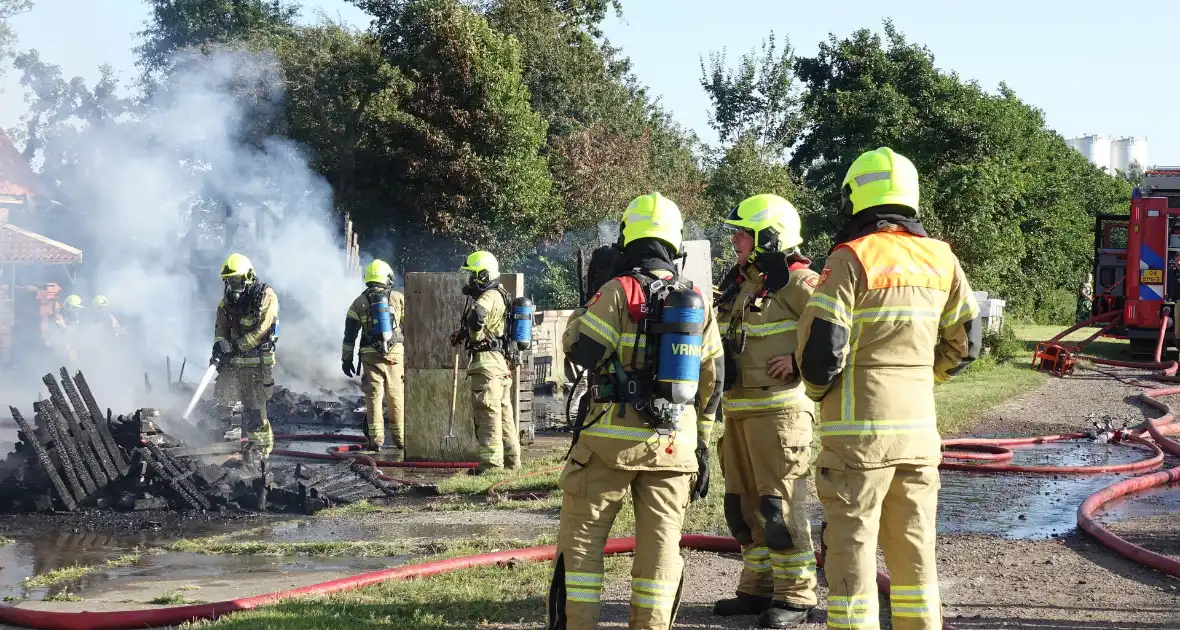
pixel 1029 568
pixel 1034 506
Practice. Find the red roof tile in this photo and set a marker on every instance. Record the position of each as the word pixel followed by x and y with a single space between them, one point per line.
pixel 22 246
pixel 16 178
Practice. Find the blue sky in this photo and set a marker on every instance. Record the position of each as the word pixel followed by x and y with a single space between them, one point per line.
pixel 1091 67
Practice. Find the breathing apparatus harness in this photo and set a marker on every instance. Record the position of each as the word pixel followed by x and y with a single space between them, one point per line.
pixel 249 303
pixel 384 331
pixel 504 343
pixel 669 319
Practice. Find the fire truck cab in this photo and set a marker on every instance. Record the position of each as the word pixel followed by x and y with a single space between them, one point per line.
pixel 1137 261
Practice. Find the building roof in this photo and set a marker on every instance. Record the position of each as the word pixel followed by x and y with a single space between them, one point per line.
pixel 22 246
pixel 16 178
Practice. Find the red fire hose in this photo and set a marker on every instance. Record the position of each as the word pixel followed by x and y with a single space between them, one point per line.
pixel 156 617
pixel 338 453
pixel 993 450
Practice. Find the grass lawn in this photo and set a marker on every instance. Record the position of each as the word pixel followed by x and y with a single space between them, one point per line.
pixel 510 594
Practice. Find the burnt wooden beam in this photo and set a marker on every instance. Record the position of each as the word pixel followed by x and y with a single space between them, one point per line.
pixel 46 411
pixel 104 429
pixel 43 458
pixel 81 437
pixel 90 425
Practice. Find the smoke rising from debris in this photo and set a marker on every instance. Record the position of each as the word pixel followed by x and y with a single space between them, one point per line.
pixel 190 178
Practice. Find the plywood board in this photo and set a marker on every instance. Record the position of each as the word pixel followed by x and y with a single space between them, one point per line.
pixel 428 409
pixel 434 305
pixel 698 265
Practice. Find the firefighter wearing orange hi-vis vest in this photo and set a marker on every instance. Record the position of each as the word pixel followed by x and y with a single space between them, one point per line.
pixel 766 445
pixel 893 315
pixel 651 341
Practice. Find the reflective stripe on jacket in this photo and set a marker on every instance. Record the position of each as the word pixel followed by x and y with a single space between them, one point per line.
pixel 627 442
pixel 892 314
pixel 252 333
pixel 769 324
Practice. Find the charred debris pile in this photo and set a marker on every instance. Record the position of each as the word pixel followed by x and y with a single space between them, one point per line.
pixel 72 456
pixel 330 411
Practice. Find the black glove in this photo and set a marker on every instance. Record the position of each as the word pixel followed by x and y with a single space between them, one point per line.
pixel 774 265
pixel 349 369
pixel 458 336
pixel 702 488
pixel 731 276
pixel 730 365
pixel 221 351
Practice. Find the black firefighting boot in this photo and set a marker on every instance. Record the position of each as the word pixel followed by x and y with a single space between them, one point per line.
pixel 743 604
pixel 783 615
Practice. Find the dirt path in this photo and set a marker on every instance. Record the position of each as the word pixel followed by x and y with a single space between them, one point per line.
pixel 1067 405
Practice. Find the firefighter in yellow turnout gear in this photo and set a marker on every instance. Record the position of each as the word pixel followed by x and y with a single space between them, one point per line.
pixel 491 376
pixel 620 451
pixel 766 446
pixel 893 315
pixel 67 324
pixel 377 314
pixel 104 319
pixel 246 331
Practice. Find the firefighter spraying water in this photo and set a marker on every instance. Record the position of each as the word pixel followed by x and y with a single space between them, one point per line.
pixel 205 380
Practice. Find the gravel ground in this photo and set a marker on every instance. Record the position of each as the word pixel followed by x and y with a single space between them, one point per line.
pixel 1065 583
pixel 1158 533
pixel 1068 405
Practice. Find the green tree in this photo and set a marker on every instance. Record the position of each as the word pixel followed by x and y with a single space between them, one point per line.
pixel 177 25
pixel 759 97
pixel 468 165
pixel 8 10
pixel 1015 204
pixel 61 112
pixel 341 96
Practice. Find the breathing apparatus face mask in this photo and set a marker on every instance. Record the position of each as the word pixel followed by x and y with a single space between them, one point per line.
pixel 235 286
pixel 476 281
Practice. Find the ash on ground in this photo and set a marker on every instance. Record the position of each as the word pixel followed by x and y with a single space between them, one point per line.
pixel 73 457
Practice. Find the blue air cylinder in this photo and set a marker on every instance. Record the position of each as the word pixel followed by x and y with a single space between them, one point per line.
pixel 521 326
pixel 379 312
pixel 679 367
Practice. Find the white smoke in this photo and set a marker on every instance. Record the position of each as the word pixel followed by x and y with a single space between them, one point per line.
pixel 161 186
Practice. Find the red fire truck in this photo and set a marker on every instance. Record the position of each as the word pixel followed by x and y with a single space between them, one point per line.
pixel 1137 261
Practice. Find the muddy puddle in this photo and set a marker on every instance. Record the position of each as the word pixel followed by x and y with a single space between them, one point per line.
pixel 1029 506
pixel 36 556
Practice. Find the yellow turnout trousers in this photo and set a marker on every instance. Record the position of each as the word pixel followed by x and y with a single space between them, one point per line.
pixel 765 490
pixel 253 385
pixel 593 493
pixel 495 426
pixel 898 503
pixel 383 382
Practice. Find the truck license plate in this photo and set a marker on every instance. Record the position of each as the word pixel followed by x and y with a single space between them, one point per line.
pixel 1151 276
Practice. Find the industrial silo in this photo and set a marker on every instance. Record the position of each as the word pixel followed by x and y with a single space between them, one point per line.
pixel 1137 150
pixel 1096 148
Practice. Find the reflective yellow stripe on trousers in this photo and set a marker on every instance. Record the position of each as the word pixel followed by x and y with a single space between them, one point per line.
pixel 795 565
pixel 655 594
pixel 584 587
pixel 756 559
pixel 854 611
pixel 918 602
